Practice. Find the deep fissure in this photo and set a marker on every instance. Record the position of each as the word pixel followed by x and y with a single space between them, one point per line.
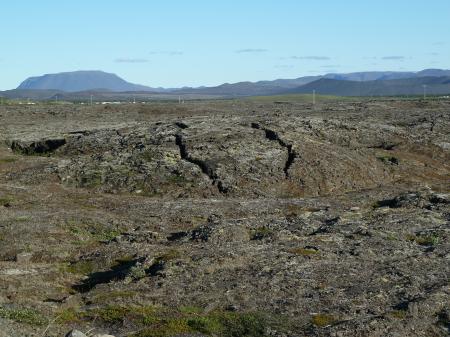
pixel 273 136
pixel 205 168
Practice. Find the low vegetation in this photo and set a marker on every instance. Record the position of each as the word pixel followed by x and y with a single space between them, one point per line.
pixel 261 233
pixel 6 201
pixel 7 160
pixel 423 240
pixel 390 160
pixel 23 315
pixel 323 320
pixel 304 251
pixel 157 321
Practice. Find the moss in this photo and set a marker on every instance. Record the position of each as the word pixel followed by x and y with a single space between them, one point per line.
pixel 7 160
pixel 81 267
pixel 389 160
pixel 157 321
pixel 90 231
pixel 391 237
pixel 25 315
pixel 111 314
pixel 398 314
pixel 423 240
pixel 170 255
pixel 113 295
pixel 303 251
pixel 190 310
pixel 217 323
pixel 124 260
pixel 243 324
pixel 205 325
pixel 149 155
pixel 177 180
pixel 323 320
pixel 118 313
pixel 261 233
pixel 22 218
pixel 92 179
pixel 6 201
pixel 167 328
pixel 137 272
pixel 69 315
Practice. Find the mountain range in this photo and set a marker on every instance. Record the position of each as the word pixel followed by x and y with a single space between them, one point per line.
pixel 81 84
pixel 397 87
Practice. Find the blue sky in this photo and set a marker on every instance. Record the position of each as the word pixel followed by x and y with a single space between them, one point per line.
pixel 193 43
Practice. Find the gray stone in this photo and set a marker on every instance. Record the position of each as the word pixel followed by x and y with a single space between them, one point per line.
pixel 24 257
pixel 75 333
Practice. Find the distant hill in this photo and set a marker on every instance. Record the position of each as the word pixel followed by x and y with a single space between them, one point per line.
pixel 79 85
pixel 282 86
pixel 81 81
pixel 237 89
pixel 387 75
pixel 408 86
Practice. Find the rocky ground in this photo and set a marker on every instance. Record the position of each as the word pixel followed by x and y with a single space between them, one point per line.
pixel 226 218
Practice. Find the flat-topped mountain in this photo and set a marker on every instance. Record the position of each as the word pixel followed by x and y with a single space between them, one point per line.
pixel 81 81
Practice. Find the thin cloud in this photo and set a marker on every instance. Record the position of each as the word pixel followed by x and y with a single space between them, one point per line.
pixel 167 52
pixel 130 60
pixel 393 58
pixel 284 66
pixel 251 50
pixel 312 58
pixel 330 66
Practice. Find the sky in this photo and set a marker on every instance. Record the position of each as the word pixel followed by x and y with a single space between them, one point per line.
pixel 198 42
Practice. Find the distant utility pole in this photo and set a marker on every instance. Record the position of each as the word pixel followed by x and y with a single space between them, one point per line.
pixel 134 99
pixel 56 98
pixel 314 97
pixel 424 91
pixel 179 99
pixel 91 98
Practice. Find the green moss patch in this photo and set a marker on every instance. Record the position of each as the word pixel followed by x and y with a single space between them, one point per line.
pixel 304 251
pixel 7 160
pixel 154 321
pixel 23 315
pixel 6 201
pixel 423 240
pixel 323 320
